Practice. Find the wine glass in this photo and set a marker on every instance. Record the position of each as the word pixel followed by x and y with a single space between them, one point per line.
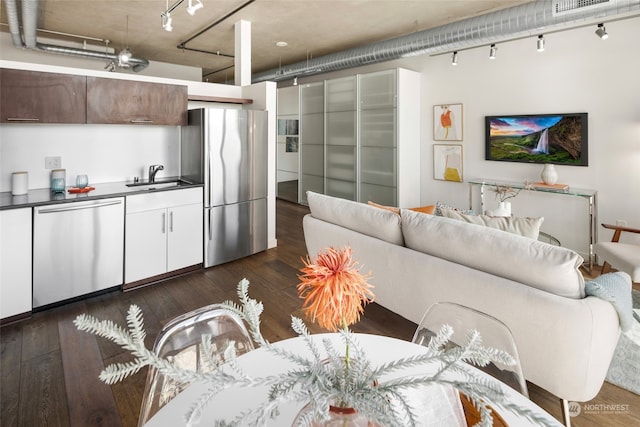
pixel 82 181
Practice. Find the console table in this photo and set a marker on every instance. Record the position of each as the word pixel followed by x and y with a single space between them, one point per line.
pixel 589 195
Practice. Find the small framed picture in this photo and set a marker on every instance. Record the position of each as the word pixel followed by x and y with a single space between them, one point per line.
pixel 447 122
pixel 291 144
pixel 447 162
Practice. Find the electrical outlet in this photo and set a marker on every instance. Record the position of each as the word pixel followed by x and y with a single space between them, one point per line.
pixel 53 162
pixel 621 222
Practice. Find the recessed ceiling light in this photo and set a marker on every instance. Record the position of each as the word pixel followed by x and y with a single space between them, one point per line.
pixel 282 44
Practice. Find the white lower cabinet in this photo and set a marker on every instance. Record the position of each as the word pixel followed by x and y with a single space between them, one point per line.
pixel 163 233
pixel 15 262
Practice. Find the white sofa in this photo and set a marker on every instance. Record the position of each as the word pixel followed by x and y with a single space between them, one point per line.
pixel 565 340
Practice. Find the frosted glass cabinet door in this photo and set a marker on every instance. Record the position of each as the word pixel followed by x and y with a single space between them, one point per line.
pixel 378 90
pixel 378 128
pixel 378 145
pixel 340 137
pixel 311 143
pixel 312 98
pixel 340 94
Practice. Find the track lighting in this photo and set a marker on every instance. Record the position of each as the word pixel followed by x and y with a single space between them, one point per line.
pixel 540 43
pixel 454 58
pixel 295 81
pixel 166 21
pixel 602 32
pixel 193 8
pixel 492 51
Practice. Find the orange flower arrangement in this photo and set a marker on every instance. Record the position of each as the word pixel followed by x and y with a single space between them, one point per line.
pixel 333 289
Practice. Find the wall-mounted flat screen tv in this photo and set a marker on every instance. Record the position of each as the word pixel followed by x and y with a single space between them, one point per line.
pixel 538 138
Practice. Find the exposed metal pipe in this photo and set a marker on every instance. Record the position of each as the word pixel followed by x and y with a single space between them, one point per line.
pixel 29 27
pixel 507 24
pixel 14 22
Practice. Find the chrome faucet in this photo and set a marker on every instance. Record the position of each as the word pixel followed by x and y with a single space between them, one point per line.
pixel 153 170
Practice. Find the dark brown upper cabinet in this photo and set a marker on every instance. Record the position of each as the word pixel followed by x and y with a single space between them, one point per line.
pixel 132 102
pixel 39 97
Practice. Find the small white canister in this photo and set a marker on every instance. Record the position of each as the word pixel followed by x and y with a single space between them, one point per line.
pixel 19 183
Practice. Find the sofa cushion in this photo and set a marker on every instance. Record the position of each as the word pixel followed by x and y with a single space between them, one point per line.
pixel 360 217
pixel 428 209
pixel 527 227
pixel 550 268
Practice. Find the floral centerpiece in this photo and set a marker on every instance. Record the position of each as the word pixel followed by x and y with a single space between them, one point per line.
pixel 334 293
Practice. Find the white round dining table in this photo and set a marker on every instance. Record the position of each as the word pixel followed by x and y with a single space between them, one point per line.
pixel 261 362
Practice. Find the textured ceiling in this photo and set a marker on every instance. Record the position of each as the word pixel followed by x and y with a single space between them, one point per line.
pixel 310 27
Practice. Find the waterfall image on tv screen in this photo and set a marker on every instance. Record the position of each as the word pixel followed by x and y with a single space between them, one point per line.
pixel 540 138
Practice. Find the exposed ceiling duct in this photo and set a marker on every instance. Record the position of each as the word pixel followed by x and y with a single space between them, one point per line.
pixel 507 24
pixel 29 27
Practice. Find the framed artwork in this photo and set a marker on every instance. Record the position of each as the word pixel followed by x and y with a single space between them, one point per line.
pixel 291 144
pixel 447 162
pixel 287 127
pixel 447 122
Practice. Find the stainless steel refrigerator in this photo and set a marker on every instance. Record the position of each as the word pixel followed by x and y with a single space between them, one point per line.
pixel 226 149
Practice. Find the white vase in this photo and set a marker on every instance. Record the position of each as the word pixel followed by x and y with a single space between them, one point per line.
pixel 504 209
pixel 549 174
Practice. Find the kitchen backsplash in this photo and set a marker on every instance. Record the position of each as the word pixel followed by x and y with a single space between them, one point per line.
pixel 106 153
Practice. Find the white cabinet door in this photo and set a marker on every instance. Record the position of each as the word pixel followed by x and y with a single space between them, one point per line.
pixel 185 238
pixel 15 262
pixel 145 244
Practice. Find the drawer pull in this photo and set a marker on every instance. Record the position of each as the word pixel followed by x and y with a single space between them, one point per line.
pixel 20 119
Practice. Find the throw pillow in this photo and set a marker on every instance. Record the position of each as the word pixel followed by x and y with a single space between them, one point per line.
pixel 429 209
pixel 615 288
pixel 387 208
pixel 440 206
pixel 528 227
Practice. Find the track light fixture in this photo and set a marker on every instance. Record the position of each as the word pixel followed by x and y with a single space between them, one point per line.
pixel 454 58
pixel 295 81
pixel 492 51
pixel 166 21
pixel 602 32
pixel 192 8
pixel 540 43
pixel 124 56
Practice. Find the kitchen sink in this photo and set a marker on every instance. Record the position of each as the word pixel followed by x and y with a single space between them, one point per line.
pixel 145 185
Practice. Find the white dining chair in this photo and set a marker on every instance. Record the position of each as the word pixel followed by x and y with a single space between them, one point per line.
pixel 180 342
pixel 494 334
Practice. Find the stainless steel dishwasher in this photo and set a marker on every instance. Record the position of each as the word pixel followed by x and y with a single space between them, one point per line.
pixel 78 249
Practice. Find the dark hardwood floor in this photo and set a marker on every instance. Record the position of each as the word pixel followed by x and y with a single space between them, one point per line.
pixel 50 370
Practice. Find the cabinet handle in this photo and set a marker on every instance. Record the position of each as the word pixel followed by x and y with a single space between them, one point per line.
pixel 164 223
pixel 171 222
pixel 20 119
pixel 141 121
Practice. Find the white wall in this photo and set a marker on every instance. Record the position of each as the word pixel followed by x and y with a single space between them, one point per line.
pixel 578 72
pixel 107 153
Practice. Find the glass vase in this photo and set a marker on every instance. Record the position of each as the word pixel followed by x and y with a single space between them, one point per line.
pixel 338 417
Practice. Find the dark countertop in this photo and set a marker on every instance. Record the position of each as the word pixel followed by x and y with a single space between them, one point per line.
pixel 44 196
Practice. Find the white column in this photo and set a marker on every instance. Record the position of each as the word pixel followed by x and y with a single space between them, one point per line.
pixel 242 60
